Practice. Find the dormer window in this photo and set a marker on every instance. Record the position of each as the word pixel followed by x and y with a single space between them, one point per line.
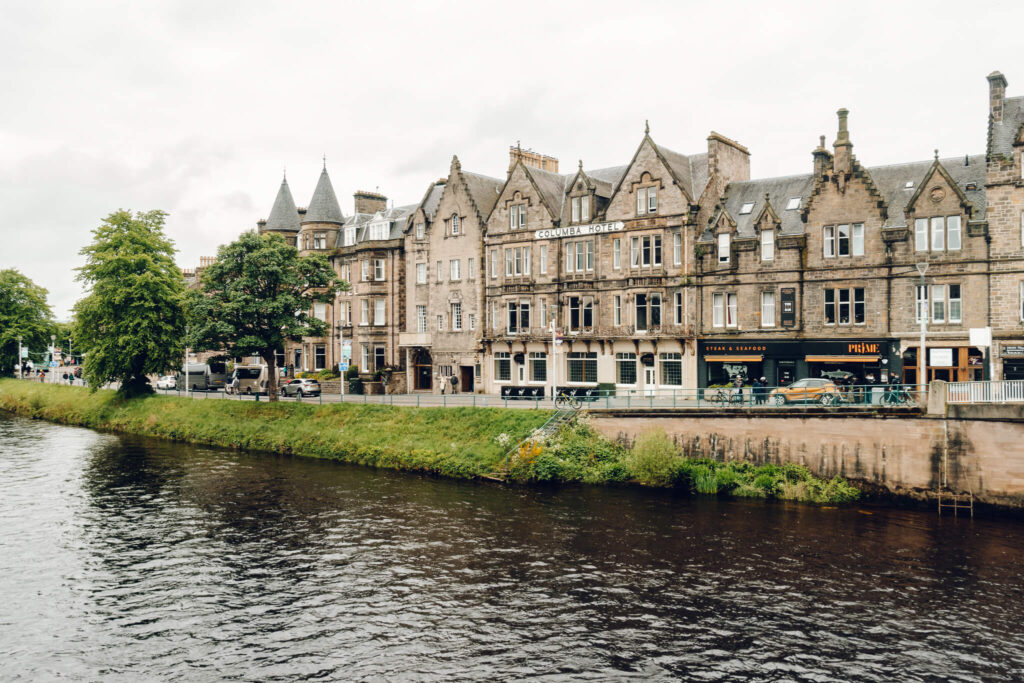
pixel 379 231
pixel 349 236
pixel 420 230
pixel 746 208
pixel 793 204
pixel 517 216
pixel 767 245
pixel 456 224
pixel 580 209
pixel 723 247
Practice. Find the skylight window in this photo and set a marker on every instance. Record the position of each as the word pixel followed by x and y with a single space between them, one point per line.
pixel 909 185
pixel 746 208
pixel 794 203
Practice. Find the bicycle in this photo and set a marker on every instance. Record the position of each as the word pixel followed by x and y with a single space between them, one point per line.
pixel 564 400
pixel 727 397
pixel 896 395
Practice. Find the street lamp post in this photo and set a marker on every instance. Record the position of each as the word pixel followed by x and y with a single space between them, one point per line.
pixel 21 374
pixel 53 353
pixel 922 314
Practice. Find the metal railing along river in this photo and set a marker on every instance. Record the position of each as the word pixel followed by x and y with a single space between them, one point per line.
pixel 998 391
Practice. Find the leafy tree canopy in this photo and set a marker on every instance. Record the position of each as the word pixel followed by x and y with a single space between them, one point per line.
pixel 257 294
pixel 131 323
pixel 24 313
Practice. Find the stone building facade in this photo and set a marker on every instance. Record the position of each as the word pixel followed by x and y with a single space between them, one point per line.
pixel 677 271
pixel 444 288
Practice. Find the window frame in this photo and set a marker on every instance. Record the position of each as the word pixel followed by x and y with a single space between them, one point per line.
pixel 768 245
pixel 768 305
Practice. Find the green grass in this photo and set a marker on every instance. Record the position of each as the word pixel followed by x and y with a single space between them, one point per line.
pixel 456 442
pixel 453 442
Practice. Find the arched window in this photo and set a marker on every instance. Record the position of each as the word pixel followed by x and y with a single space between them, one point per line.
pixel 456 226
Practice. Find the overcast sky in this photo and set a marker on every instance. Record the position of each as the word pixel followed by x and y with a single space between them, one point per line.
pixel 196 107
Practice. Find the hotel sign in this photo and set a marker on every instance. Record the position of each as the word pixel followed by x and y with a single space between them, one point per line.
pixel 579 230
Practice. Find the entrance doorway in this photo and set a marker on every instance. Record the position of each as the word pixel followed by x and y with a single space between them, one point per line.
pixel 649 381
pixel 466 378
pixel 423 377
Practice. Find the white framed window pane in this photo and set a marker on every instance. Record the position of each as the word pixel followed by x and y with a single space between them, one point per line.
pixel 364 309
pixel 634 251
pixel 921 234
pixel 575 209
pixel 768 309
pixel 508 262
pixel 723 248
pixel 440 323
pixel 677 305
pixel 584 208
pixel 579 257
pixel 955 312
pixel 843 240
pixel 652 199
pixel 718 309
pixel 641 201
pixel 522 215
pixel 616 253
pixel 767 245
pixel 494 263
pixel 617 310
pixel 454 267
pixel 512 218
pixel 421 273
pixel 858 239
pixel 677 248
pixel 731 310
pixel 526 260
pixel 569 258
pixel 421 318
pixel 938 234
pixel 953 233
pixel 543 259
pixel 938 303
pixel 590 254
pixel 828 241
pixel 921 309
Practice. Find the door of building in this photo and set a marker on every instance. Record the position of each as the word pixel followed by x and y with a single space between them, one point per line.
pixel 650 381
pixel 422 370
pixel 466 380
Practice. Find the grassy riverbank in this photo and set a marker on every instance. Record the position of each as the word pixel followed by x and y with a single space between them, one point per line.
pixel 453 442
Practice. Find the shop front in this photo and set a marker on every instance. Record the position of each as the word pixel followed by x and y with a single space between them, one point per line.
pixel 1013 361
pixel 947 363
pixel 862 361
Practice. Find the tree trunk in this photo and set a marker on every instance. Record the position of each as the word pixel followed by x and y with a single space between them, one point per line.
pixel 271 361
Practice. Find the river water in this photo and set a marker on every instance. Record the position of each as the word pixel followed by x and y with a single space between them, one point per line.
pixel 128 559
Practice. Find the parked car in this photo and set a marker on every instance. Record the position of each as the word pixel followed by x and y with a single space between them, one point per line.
pixel 167 382
pixel 808 390
pixel 301 387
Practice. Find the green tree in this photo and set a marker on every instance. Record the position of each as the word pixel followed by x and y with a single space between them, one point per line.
pixel 23 313
pixel 258 294
pixel 131 322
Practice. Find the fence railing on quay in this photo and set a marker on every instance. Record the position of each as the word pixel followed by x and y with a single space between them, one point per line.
pixel 997 391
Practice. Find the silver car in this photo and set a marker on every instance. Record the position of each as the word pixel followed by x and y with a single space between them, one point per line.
pixel 301 387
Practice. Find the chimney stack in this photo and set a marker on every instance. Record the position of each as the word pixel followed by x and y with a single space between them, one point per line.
pixel 843 163
pixel 531 158
pixel 370 202
pixel 996 93
pixel 822 158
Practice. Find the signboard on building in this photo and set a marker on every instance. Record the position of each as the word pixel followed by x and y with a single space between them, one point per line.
pixel 981 336
pixel 579 230
pixel 940 358
pixel 787 298
pixel 1013 351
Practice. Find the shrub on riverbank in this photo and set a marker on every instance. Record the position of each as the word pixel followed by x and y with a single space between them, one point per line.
pixel 580 454
pixel 454 442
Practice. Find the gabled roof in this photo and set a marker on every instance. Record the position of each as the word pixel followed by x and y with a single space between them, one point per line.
pixel 890 182
pixel 1002 134
pixel 431 199
pixel 777 191
pixel 483 190
pixel 324 207
pixel 551 186
pixel 284 215
pixel 689 172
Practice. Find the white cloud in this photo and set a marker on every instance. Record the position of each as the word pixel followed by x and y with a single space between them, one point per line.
pixel 194 107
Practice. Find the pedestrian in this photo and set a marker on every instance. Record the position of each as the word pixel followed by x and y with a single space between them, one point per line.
pixel 234 384
pixel 737 392
pixel 455 383
pixel 760 390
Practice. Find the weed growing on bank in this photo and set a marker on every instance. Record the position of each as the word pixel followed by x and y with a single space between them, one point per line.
pixel 453 442
pixel 578 453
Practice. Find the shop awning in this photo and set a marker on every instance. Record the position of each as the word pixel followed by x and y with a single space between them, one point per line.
pixel 733 359
pixel 842 359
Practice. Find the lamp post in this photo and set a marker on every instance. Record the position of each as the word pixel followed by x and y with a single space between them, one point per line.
pixel 922 314
pixel 21 374
pixel 53 347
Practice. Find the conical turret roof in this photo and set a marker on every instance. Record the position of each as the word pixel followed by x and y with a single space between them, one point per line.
pixel 324 207
pixel 284 215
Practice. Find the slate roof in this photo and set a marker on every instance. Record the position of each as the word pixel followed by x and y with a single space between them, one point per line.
pixel 483 190
pixel 432 199
pixel 690 171
pixel 552 187
pixel 283 215
pixel 324 207
pixel 358 220
pixel 890 181
pixel 606 179
pixel 1003 134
